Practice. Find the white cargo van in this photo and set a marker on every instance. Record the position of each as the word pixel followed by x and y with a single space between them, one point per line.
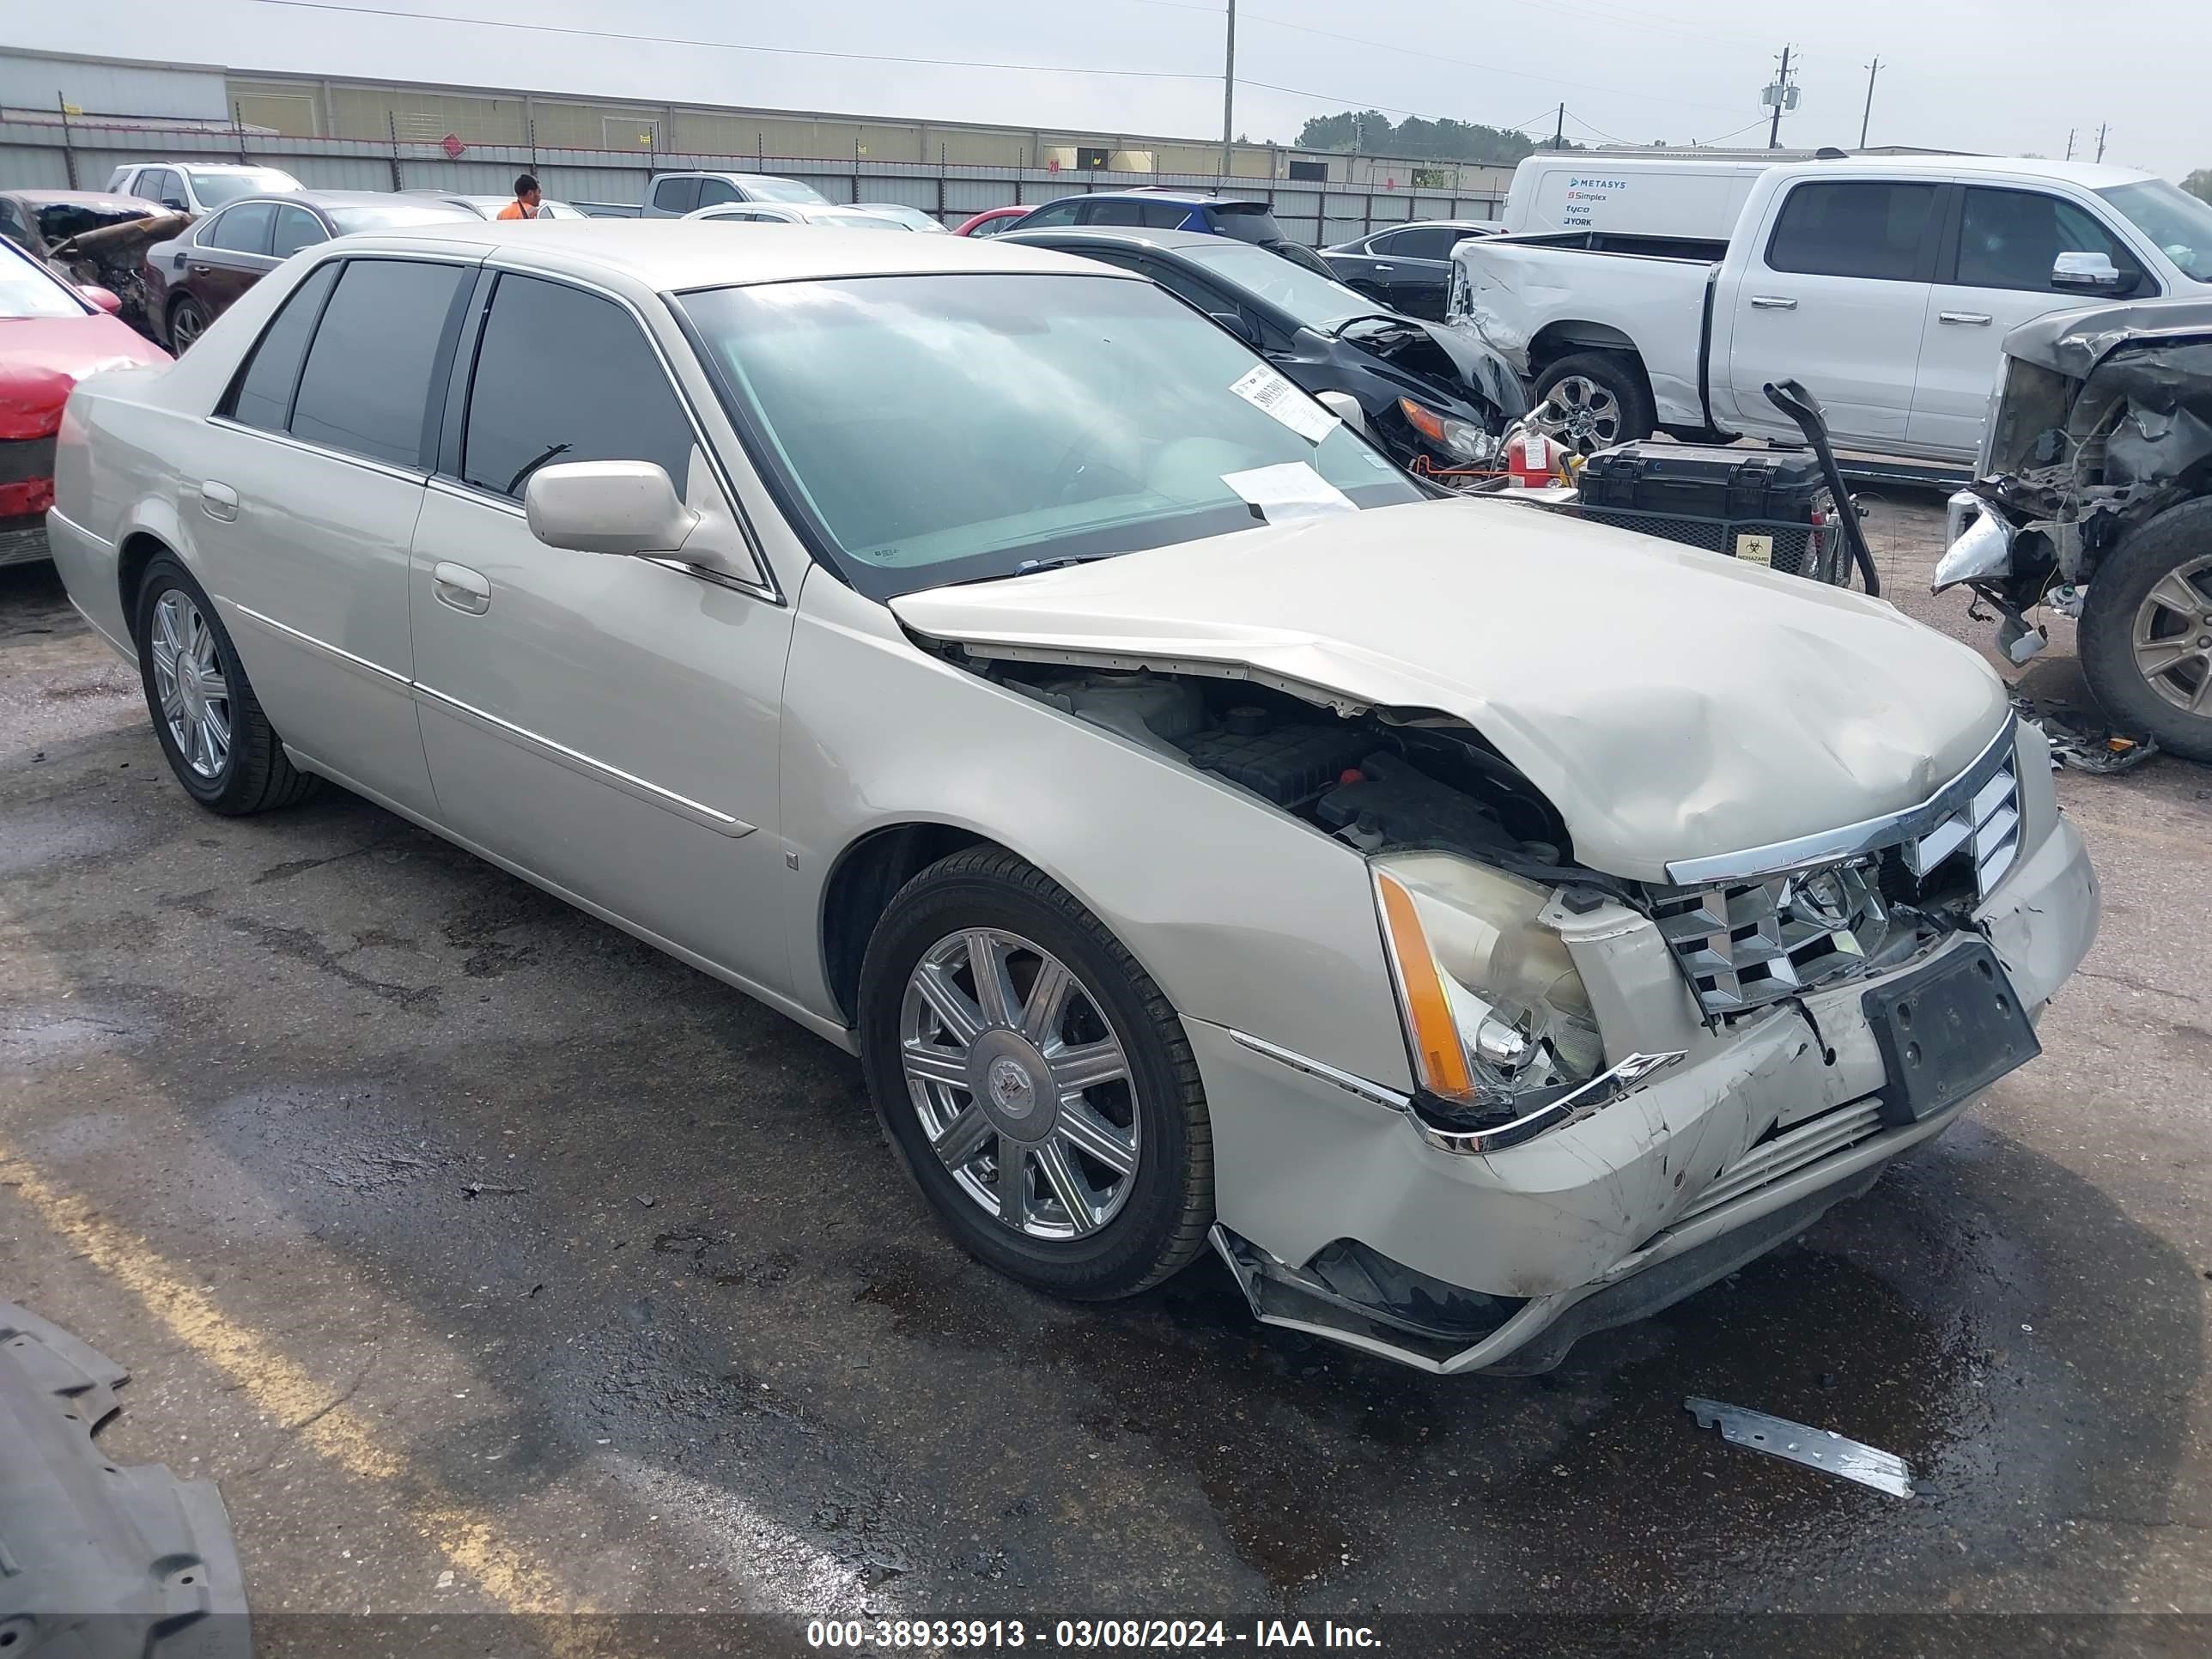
pixel 1675 197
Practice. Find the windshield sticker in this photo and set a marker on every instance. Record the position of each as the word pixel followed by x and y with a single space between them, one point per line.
pixel 1268 392
pixel 1291 491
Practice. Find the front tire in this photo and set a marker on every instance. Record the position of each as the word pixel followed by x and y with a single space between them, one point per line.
pixel 1034 1081
pixel 210 726
pixel 2146 636
pixel 1604 399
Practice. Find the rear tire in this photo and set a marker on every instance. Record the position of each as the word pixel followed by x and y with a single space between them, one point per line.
pixel 1091 1175
pixel 188 320
pixel 1604 396
pixel 2146 635
pixel 209 722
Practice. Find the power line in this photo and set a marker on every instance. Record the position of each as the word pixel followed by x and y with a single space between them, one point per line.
pixel 1601 131
pixel 728 46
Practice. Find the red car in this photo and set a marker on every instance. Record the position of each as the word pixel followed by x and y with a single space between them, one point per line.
pixel 52 336
pixel 991 220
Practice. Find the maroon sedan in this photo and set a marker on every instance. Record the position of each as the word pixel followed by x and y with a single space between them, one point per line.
pixel 192 281
pixel 52 336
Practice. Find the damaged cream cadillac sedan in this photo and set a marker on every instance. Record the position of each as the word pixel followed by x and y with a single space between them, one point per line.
pixel 1201 835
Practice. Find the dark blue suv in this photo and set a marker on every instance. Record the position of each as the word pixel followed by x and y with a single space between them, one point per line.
pixel 1246 218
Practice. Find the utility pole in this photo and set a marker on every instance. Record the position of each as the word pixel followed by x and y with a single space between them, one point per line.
pixel 1560 130
pixel 2100 141
pixel 2069 142
pixel 1229 91
pixel 1873 70
pixel 1781 94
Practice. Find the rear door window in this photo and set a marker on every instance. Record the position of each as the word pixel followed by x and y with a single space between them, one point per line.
pixel 1059 213
pixel 263 396
pixel 367 384
pixel 242 229
pixel 1422 242
pixel 2012 238
pixel 676 195
pixel 1870 228
pixel 563 375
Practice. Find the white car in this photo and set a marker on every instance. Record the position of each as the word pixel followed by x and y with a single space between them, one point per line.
pixel 198 187
pixel 800 213
pixel 1200 832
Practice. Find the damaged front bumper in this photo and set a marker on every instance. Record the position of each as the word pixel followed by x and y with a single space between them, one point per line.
pixel 1349 1222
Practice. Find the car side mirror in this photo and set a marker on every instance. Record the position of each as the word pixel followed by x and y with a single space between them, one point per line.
pixel 174 205
pixel 2089 273
pixel 105 298
pixel 1345 407
pixel 608 506
pixel 1238 323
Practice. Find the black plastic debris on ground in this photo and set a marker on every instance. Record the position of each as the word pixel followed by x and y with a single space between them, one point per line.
pixel 2082 739
pixel 100 1560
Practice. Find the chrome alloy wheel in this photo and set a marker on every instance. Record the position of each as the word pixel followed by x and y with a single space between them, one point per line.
pixel 2173 637
pixel 1592 413
pixel 188 677
pixel 1020 1083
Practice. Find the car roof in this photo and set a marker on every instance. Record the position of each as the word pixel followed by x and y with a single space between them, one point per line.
pixel 2089 175
pixel 670 255
pixel 724 172
pixel 1167 193
pixel 1123 236
pixel 98 198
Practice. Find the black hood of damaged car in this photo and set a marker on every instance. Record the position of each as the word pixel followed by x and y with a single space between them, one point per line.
pixel 2072 342
pixel 1443 359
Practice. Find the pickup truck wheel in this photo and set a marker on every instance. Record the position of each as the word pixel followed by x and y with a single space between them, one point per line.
pixel 1603 397
pixel 1035 1082
pixel 2145 638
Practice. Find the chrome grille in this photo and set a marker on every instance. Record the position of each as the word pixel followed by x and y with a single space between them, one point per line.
pixel 1743 943
pixel 1746 942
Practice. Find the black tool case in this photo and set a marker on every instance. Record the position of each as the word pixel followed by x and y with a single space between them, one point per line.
pixel 1770 506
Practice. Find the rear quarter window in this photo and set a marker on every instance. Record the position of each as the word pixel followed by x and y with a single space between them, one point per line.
pixel 262 396
pixel 1877 229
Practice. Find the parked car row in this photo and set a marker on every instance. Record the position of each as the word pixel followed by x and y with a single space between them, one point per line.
pixel 1205 835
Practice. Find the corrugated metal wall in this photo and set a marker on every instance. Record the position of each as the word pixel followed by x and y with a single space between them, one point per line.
pixel 99 89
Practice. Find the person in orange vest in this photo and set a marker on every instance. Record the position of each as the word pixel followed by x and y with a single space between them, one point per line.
pixel 526 197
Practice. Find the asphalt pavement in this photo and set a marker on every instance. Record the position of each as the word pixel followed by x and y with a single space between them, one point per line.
pixel 496 1264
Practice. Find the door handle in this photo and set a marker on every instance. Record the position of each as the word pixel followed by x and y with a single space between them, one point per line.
pixel 463 589
pixel 218 500
pixel 1379 266
pixel 1773 302
pixel 1979 318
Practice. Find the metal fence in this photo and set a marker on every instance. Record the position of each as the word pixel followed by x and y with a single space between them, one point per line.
pixel 81 154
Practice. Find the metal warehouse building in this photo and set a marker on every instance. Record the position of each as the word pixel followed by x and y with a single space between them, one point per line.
pixel 67 119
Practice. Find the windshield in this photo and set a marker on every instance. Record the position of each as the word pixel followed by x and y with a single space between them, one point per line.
pixel 390 215
pixel 782 190
pixel 1307 296
pixel 944 429
pixel 2171 217
pixel 26 292
pixel 215 188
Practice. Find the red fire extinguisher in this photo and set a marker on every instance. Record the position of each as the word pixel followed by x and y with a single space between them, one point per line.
pixel 1532 461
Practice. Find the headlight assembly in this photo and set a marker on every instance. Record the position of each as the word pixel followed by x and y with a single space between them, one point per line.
pixel 1462 440
pixel 1497 1016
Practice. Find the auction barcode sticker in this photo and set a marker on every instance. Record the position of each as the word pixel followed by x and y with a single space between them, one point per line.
pixel 1268 390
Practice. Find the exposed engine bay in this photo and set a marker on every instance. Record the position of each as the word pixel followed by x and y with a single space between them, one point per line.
pixel 1426 796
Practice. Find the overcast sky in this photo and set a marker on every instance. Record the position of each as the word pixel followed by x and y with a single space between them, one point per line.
pixel 2010 76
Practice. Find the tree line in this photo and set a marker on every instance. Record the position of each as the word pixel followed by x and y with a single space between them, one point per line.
pixel 1373 132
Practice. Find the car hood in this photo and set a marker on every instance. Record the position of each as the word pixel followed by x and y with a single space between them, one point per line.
pixel 2072 342
pixel 1443 357
pixel 42 357
pixel 1671 704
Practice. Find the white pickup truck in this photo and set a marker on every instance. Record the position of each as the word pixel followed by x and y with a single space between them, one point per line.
pixel 1884 283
